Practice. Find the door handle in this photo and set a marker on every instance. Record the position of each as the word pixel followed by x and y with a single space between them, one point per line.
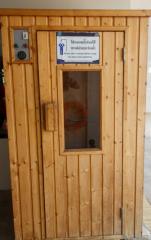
pixel 49 116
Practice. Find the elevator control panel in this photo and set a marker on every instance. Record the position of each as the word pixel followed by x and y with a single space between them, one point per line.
pixel 21 45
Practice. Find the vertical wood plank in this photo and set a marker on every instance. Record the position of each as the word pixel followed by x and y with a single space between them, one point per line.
pixel 45 82
pixel 44 22
pixel 13 158
pixel 94 21
pixel 30 21
pixel 73 195
pixel 85 201
pixel 96 191
pixel 60 161
pixel 54 21
pixel 119 21
pixel 23 152
pixel 118 166
pixel 140 125
pixel 67 21
pixel 40 21
pixel 130 113
pixel 80 21
pixel 15 21
pixel 107 21
pixel 108 130
pixel 22 130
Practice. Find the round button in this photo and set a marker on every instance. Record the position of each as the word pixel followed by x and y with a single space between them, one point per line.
pixel 21 55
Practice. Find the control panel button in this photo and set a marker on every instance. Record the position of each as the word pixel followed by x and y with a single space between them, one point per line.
pixel 16 45
pixel 21 55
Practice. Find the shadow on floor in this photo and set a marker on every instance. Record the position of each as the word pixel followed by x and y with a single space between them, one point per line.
pixel 6 216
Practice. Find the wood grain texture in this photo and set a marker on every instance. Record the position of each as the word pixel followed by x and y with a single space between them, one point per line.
pixel 68 21
pixel 45 82
pixel 107 21
pixel 94 21
pixel 70 12
pixel 43 22
pixel 29 75
pixel 142 71
pixel 11 122
pixel 20 92
pixel 80 21
pixel 118 164
pixel 85 200
pixel 130 115
pixel 108 130
pixel 96 191
pixel 60 161
pixel 119 21
pixel 73 195
pixel 54 21
pixel 23 152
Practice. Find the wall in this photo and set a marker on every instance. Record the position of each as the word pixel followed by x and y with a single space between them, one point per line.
pixel 148 96
pixel 66 4
pixel 4 158
pixel 139 4
pixel 4 165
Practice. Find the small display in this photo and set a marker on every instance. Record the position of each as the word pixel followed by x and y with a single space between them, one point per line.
pixel 21 45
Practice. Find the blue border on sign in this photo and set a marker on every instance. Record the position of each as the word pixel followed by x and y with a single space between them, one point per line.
pixel 60 61
pixel 77 34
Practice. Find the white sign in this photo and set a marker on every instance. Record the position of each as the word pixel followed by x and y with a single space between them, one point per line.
pixel 78 47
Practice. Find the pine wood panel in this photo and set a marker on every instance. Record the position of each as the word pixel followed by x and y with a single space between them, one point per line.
pixel 97 195
pixel 120 21
pixel 118 164
pixel 85 199
pixel 108 130
pixel 45 82
pixel 60 161
pixel 54 21
pixel 40 21
pixel 130 112
pixel 23 152
pixel 94 21
pixel 73 195
pixel 107 21
pixel 30 21
pixel 67 21
pixel 80 21
pixel 18 72
pixel 140 125
pixel 13 157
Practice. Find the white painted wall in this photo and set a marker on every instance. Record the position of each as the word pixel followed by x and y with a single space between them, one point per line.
pixel 148 93
pixel 66 4
pixel 140 4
